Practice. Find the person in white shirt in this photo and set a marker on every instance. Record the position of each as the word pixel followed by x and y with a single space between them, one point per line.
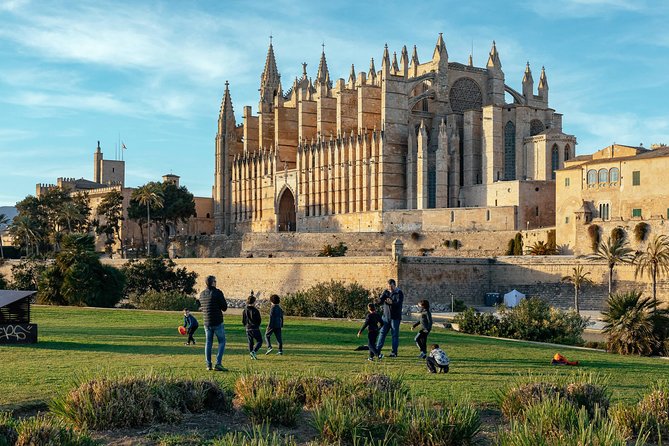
pixel 437 360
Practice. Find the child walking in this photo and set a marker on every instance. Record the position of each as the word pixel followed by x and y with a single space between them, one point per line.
pixel 191 325
pixel 425 323
pixel 437 360
pixel 373 323
pixel 251 320
pixel 274 325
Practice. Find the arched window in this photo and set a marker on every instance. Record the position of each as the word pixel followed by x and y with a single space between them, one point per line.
pixel 464 95
pixel 510 151
pixel 592 176
pixel 603 176
pixel 604 211
pixel 555 160
pixel 567 151
pixel 614 175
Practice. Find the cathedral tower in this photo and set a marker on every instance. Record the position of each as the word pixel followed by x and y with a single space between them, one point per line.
pixel 225 139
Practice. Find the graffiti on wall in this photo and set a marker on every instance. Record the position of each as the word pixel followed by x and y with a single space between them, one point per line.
pixel 15 332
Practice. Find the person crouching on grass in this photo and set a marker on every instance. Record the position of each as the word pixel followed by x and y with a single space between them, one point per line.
pixel 251 320
pixel 437 360
pixel 373 323
pixel 191 325
pixel 425 323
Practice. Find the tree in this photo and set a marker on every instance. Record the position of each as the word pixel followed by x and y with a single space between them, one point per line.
pixel 654 262
pixel 613 253
pixel 157 274
pixel 4 221
pixel 149 195
pixel 69 213
pixel 577 278
pixel 25 231
pixel 178 206
pixel 542 248
pixel 111 209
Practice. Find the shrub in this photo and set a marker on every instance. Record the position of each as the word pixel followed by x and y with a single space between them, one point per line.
pixel 46 430
pixel 641 231
pixel 447 243
pixel 137 401
pixel 540 248
pixel 266 399
pixel 583 391
pixel 509 247
pixel 648 418
pixel 617 235
pixel 447 423
pixel 518 244
pixel 595 235
pixel 258 436
pixel 456 244
pixel 472 322
pixel 415 236
pixel 26 274
pixel 632 327
pixel 78 278
pixel 556 422
pixel 169 301
pixel 157 274
pixel 8 429
pixel 329 299
pixel 333 251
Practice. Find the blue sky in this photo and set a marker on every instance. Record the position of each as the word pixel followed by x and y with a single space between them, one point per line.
pixel 73 73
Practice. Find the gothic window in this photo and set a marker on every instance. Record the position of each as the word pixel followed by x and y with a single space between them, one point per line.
pixel 510 151
pixel 614 175
pixel 592 177
pixel 536 127
pixel 431 188
pixel 555 160
pixel 464 95
pixel 603 176
pixel 604 211
pixel 567 150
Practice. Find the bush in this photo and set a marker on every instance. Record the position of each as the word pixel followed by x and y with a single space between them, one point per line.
pixel 168 301
pixel 258 436
pixel 157 274
pixel 582 391
pixel 26 274
pixel 447 423
pixel 3 283
pixel 594 233
pixel 641 231
pixel 328 299
pixel 518 244
pixel 509 247
pixel 137 401
pixel 78 278
pixel 266 399
pixel 8 429
pixel 632 326
pixel 532 320
pixel 44 430
pixel 649 417
pixel 333 251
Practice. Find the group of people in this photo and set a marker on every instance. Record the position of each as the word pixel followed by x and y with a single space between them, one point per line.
pixel 213 305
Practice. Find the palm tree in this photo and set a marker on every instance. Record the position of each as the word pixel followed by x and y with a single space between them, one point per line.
pixel 24 228
pixel 613 252
pixel 4 221
pixel 70 212
pixel 149 195
pixel 578 278
pixel 654 262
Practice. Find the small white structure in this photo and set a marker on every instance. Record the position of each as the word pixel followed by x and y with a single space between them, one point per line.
pixel 512 298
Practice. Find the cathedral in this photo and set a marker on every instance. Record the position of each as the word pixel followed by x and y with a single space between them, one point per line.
pixel 437 145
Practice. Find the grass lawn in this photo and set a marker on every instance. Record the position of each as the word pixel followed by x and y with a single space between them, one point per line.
pixel 76 342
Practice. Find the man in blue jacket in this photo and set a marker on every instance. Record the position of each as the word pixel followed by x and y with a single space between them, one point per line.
pixel 213 304
pixel 392 300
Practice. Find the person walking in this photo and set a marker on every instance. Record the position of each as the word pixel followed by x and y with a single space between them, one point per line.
pixel 213 304
pixel 251 319
pixel 392 299
pixel 425 323
pixel 372 323
pixel 275 324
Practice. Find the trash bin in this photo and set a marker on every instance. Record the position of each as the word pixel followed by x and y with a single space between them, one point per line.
pixel 492 299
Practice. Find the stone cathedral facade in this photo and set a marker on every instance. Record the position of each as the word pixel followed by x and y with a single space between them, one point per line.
pixel 437 145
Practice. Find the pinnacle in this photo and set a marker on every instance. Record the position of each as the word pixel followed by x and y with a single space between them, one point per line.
pixel 414 57
pixel 323 76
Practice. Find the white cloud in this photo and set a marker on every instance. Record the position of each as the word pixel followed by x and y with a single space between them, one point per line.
pixel 7 135
pixel 586 8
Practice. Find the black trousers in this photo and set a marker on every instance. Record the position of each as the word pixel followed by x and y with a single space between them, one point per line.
pixel 253 334
pixel 432 365
pixel 421 340
pixel 191 332
pixel 372 336
pixel 276 332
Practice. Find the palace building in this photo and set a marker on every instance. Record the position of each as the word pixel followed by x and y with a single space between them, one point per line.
pixel 432 145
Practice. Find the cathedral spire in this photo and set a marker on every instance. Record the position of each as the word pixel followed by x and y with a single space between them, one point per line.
pixel 440 48
pixel 527 77
pixel 396 67
pixel 414 57
pixel 543 85
pixel 323 76
pixel 385 62
pixel 351 77
pixel 528 83
pixel 269 80
pixel 404 61
pixel 493 58
pixel 372 72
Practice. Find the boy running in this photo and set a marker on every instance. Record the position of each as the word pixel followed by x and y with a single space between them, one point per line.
pixel 373 323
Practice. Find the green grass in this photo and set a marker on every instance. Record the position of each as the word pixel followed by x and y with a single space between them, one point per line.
pixel 76 343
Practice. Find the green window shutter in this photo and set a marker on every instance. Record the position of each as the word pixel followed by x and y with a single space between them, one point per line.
pixel 636 178
pixel 636 212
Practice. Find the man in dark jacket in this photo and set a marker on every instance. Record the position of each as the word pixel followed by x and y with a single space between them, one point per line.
pixel 213 304
pixel 392 299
